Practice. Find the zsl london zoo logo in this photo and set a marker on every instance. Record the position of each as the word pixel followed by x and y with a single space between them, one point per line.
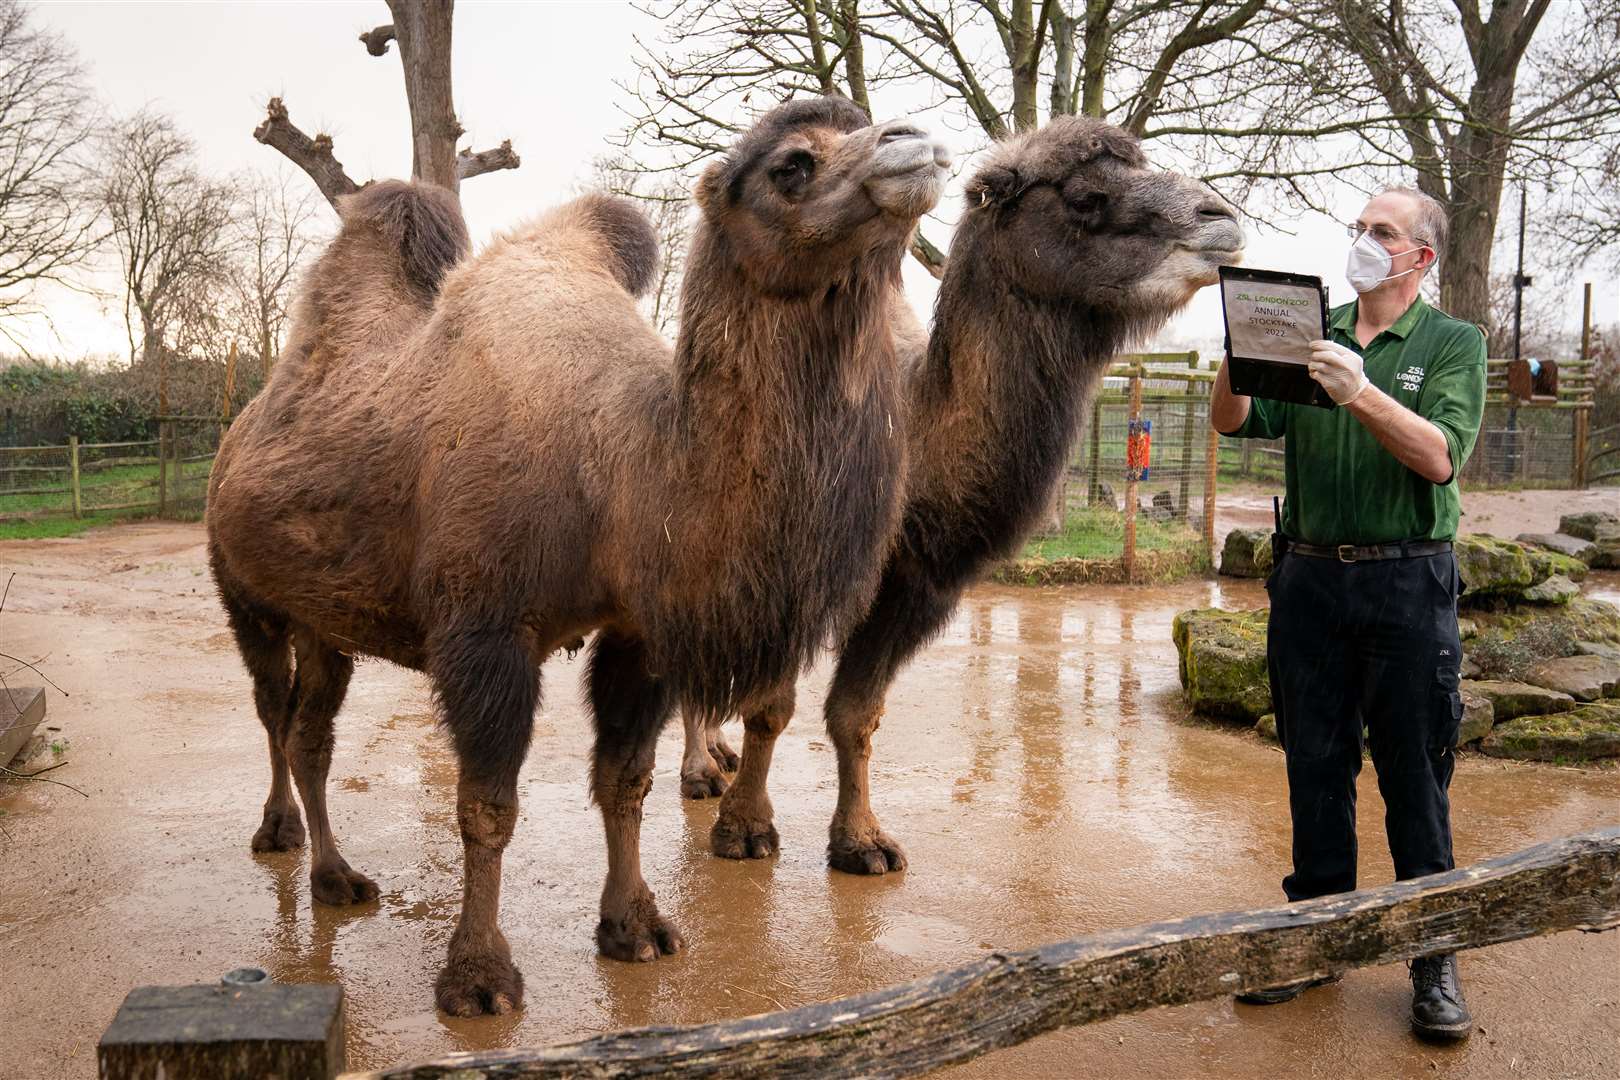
pixel 1410 379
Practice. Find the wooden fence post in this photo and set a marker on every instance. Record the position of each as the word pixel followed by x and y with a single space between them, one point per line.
pixel 1212 451
pixel 1128 560
pixel 1188 413
pixel 73 474
pixel 1583 417
pixel 1094 482
pixel 163 470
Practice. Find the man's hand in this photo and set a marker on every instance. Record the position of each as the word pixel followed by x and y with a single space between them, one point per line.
pixel 1338 370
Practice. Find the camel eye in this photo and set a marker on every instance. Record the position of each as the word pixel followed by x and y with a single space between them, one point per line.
pixel 794 172
pixel 1088 204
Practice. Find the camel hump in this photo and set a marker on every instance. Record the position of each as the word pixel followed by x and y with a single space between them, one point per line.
pixel 420 222
pixel 629 236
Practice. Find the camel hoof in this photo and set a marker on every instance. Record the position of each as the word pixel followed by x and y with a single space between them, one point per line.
pixel 876 855
pixel 281 831
pixel 340 885
pixel 732 838
pixel 638 938
pixel 704 786
pixel 479 985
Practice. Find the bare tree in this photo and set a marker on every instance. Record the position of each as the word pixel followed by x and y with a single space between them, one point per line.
pixel 169 226
pixel 273 234
pixel 666 201
pixel 1224 86
pixel 1472 118
pixel 46 198
pixel 422 29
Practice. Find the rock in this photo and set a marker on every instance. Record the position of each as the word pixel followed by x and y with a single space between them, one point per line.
pixel 1466 628
pixel 1106 496
pixel 1492 567
pixel 1511 700
pixel 1469 668
pixel 1557 589
pixel 1575 547
pixel 1592 731
pixel 1509 642
pixel 1163 500
pixel 1584 678
pixel 1247 553
pixel 1586 525
pixel 1597 648
pixel 1608 553
pixel 1223 662
pixel 1266 726
pixel 1544 564
pixel 1478 716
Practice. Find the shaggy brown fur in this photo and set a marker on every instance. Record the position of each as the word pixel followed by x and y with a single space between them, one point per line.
pixel 1071 249
pixel 468 488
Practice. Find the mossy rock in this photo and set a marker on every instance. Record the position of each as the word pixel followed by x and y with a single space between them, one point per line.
pixel 1509 642
pixel 1223 662
pixel 1557 589
pixel 1266 727
pixel 1493 567
pixel 1511 700
pixel 1575 547
pixel 1588 524
pixel 1478 717
pixel 1545 564
pixel 1246 553
pixel 1587 733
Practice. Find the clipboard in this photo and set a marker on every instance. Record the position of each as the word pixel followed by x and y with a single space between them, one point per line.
pixel 1267 350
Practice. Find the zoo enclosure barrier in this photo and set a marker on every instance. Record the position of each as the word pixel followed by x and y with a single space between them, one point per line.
pixel 1141 478
pixel 163 476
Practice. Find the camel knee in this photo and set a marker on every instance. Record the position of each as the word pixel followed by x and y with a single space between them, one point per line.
pixel 486 824
pixel 851 729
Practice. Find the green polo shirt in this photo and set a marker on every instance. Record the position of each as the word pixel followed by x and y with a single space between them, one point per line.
pixel 1345 488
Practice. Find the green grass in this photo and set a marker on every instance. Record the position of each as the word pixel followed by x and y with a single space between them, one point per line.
pixel 102 487
pixel 1100 534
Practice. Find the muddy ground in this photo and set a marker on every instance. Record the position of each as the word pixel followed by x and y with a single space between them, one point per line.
pixel 1036 763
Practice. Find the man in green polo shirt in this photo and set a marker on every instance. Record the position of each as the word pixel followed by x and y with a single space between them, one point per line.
pixel 1363 623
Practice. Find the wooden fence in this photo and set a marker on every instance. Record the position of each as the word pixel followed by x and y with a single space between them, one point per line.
pixel 1008 998
pixel 181 455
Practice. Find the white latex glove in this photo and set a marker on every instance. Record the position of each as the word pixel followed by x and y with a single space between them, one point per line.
pixel 1338 370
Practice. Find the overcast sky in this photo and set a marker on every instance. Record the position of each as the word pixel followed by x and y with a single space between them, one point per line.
pixel 540 74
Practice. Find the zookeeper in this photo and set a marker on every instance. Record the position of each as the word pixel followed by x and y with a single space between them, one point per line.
pixel 1363 625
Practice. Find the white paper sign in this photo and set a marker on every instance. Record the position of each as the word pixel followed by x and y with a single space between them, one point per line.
pixel 1272 320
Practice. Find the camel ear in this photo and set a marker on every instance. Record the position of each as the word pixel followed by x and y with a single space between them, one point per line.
pixel 710 187
pixel 995 185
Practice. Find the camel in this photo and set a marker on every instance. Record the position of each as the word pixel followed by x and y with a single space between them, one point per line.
pixel 464 484
pixel 1071 249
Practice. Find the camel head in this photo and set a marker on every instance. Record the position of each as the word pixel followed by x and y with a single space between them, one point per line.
pixel 813 188
pixel 1072 213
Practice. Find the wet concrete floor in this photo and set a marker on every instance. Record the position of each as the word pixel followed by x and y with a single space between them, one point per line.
pixel 1036 762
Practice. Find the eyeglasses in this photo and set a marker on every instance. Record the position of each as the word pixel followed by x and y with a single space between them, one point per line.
pixel 1382 233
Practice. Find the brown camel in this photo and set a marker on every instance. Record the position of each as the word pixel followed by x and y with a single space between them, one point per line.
pixel 1071 250
pixel 464 486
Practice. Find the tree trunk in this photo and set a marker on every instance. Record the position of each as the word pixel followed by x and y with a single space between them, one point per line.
pixel 1094 57
pixel 1063 27
pixel 1478 169
pixel 1026 66
pixel 854 53
pixel 422 28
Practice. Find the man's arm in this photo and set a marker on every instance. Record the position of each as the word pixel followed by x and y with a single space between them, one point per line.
pixel 1227 411
pixel 1416 442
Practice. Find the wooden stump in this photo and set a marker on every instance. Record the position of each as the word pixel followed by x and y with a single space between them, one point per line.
pixel 21 710
pixel 225 1033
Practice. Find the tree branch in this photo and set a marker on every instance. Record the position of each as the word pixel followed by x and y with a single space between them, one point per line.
pixel 470 164
pixel 314 156
pixel 376 41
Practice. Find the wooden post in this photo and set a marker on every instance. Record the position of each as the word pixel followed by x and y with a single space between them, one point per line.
pixel 21 710
pixel 1583 417
pixel 230 382
pixel 1188 412
pixel 1212 452
pixel 73 474
pixel 1094 483
pixel 163 469
pixel 1128 560
pixel 225 1033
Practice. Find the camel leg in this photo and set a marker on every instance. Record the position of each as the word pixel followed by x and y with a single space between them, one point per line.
pixel 322 681
pixel 744 828
pixel 906 613
pixel 724 756
pixel 488 686
pixel 262 638
pixel 630 706
pixel 700 773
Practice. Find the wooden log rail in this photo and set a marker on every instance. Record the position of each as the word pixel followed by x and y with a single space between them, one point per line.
pixel 1007 998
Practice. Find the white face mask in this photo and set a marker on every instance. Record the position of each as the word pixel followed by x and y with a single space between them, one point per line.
pixel 1367 265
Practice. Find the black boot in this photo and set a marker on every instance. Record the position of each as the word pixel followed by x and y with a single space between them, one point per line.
pixel 1276 995
pixel 1438 1008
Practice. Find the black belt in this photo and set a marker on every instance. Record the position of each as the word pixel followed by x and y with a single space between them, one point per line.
pixel 1348 553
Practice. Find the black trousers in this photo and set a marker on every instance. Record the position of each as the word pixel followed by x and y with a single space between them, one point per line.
pixel 1375 644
